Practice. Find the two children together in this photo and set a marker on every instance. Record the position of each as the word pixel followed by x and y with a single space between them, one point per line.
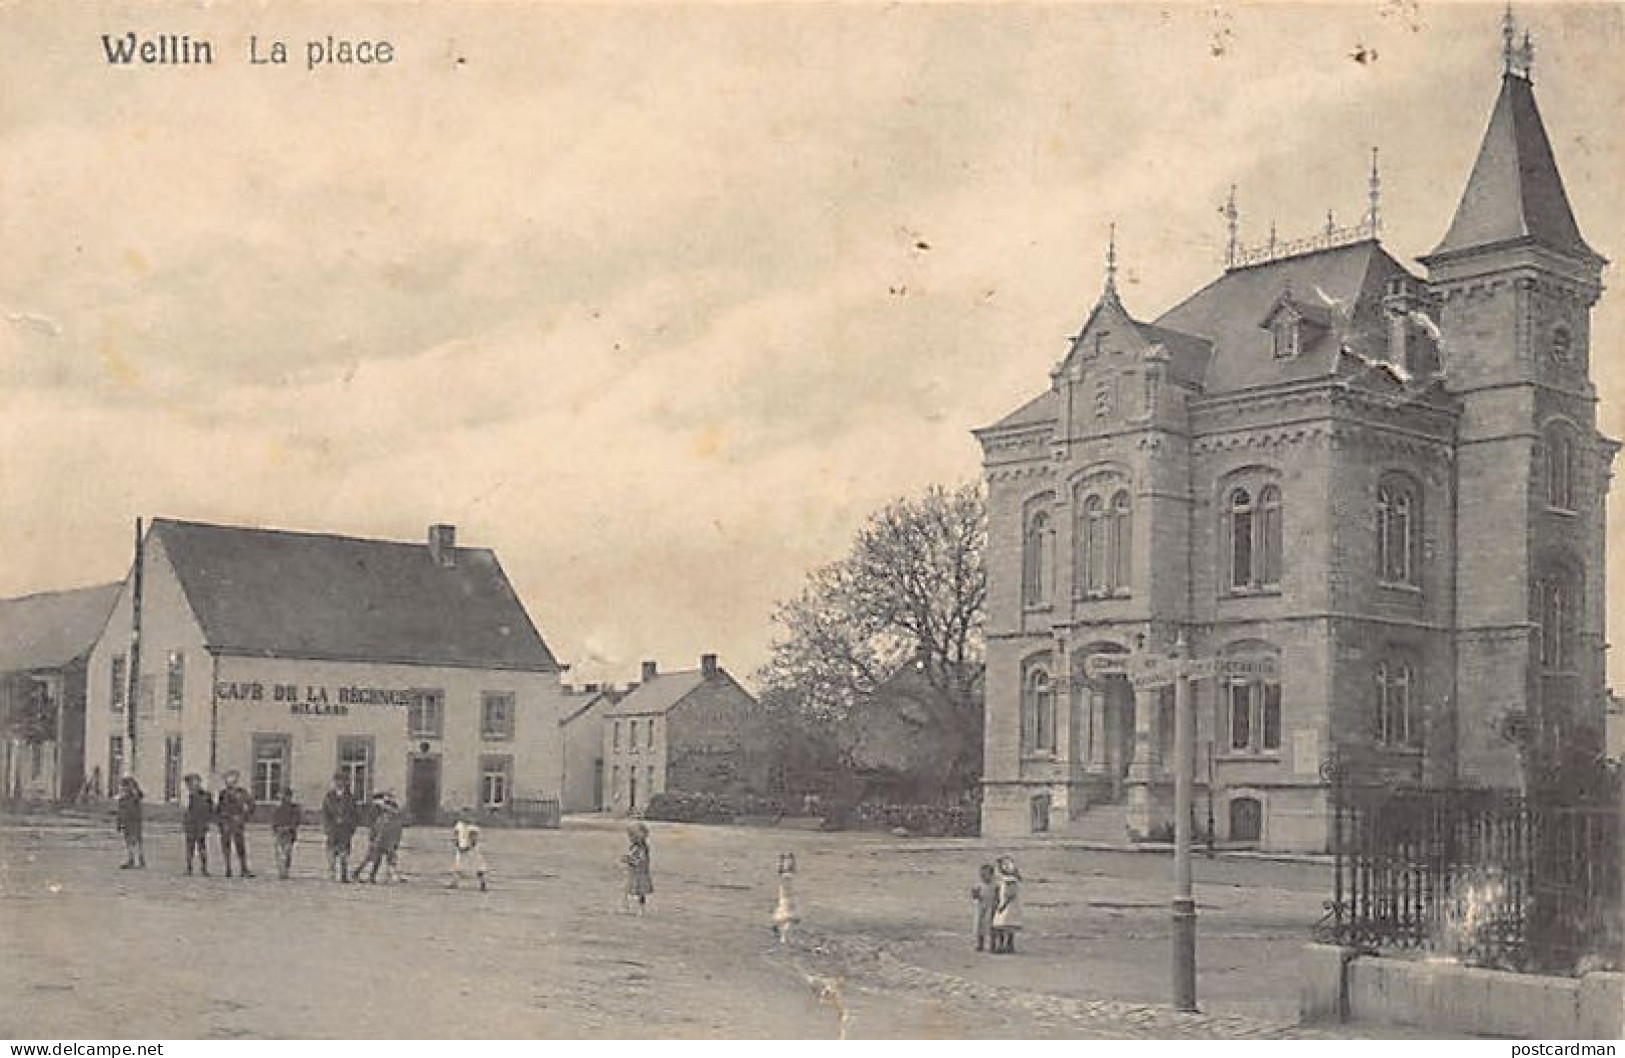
pixel 997 897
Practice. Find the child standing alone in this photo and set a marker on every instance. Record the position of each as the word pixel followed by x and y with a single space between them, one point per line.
pixel 128 813
pixel 285 825
pixel 195 824
pixel 639 876
pixel 385 842
pixel 785 915
pixel 232 810
pixel 339 819
pixel 465 836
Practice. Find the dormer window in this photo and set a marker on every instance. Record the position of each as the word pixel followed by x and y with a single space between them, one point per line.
pixel 1288 333
pixel 1289 322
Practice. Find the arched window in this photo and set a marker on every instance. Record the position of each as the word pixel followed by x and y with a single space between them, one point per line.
pixel 1038 713
pixel 1253 533
pixel 1560 469
pixel 1241 539
pixel 1397 722
pixel 1246 819
pixel 1122 540
pixel 1037 559
pixel 1558 595
pixel 1398 531
pixel 1103 544
pixel 1269 537
pixel 1080 546
pixel 1095 548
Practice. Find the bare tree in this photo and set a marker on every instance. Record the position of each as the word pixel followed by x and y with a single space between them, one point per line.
pixel 909 593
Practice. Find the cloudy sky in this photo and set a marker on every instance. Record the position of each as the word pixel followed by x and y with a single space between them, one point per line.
pixel 659 302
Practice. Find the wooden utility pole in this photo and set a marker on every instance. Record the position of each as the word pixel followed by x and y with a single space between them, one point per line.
pixel 133 695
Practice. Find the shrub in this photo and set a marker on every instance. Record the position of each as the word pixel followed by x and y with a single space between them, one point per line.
pixel 677 807
pixel 688 808
pixel 954 821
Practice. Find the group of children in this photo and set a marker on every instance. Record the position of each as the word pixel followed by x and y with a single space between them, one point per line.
pixel 231 810
pixel 997 895
pixel 998 907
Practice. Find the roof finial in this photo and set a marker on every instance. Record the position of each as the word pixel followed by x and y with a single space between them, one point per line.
pixel 1374 218
pixel 1526 56
pixel 1509 34
pixel 1232 218
pixel 1111 260
pixel 1331 224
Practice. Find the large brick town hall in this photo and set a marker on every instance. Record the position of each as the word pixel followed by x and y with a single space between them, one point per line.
pixel 1389 485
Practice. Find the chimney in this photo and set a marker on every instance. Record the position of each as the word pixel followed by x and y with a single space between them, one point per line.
pixel 1401 302
pixel 708 665
pixel 650 671
pixel 443 545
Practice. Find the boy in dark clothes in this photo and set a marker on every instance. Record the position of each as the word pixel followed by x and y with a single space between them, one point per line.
pixel 985 895
pixel 233 809
pixel 339 820
pixel 285 825
pixel 128 813
pixel 385 840
pixel 195 824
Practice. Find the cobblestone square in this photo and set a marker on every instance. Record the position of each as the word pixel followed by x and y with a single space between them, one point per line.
pixel 885 948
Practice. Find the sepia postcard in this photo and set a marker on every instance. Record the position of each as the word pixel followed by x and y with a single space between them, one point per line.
pixel 810 521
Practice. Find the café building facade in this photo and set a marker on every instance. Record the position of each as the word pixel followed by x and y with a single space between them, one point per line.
pixel 288 657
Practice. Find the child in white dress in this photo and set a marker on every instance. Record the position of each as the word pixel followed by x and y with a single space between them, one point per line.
pixel 465 835
pixel 785 915
pixel 1006 907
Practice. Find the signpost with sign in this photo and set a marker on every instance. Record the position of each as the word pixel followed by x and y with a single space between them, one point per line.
pixel 1144 670
pixel 1184 909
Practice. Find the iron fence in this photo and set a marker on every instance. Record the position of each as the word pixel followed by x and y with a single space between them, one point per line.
pixel 1493 878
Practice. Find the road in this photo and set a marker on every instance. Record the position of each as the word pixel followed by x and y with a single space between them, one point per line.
pixel 93 951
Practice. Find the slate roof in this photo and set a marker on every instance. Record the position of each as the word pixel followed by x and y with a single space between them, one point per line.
pixel 587 703
pixel 1514 196
pixel 1216 338
pixel 1348 281
pixel 52 629
pixel 660 694
pixel 1515 192
pixel 273 593
pixel 1188 354
pixel 1040 409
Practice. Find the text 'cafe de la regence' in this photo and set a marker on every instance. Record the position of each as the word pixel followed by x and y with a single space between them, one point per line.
pixel 290 657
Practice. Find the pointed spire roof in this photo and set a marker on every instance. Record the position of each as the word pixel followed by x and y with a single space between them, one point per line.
pixel 1515 193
